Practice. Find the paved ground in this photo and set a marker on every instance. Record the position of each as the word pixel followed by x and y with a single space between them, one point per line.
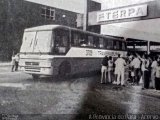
pixel 84 98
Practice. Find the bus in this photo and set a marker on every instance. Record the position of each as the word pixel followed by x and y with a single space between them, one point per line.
pixel 60 50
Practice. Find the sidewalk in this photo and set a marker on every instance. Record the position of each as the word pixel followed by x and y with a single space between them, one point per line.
pixel 5 67
pixel 147 92
pixel 5 63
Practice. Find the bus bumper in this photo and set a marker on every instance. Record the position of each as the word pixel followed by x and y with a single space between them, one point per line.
pixel 48 71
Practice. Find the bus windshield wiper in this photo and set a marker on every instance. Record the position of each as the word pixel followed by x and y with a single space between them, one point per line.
pixel 39 50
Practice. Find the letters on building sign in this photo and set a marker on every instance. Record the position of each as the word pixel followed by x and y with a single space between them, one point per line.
pixel 122 13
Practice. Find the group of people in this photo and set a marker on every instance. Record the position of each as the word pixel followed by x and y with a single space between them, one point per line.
pixel 143 69
pixel 115 70
pixel 146 70
pixel 15 62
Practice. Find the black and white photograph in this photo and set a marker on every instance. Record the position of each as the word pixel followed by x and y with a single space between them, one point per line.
pixel 79 59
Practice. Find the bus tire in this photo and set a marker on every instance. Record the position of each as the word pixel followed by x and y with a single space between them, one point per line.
pixel 64 68
pixel 35 76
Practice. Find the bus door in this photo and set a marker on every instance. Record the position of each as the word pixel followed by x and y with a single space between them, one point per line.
pixel 61 41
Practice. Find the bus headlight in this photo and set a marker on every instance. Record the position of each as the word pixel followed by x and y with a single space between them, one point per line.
pixel 22 63
pixel 46 64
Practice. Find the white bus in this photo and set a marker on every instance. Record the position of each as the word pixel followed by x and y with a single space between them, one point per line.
pixel 60 50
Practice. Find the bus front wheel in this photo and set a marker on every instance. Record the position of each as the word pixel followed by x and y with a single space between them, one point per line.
pixel 64 68
pixel 35 76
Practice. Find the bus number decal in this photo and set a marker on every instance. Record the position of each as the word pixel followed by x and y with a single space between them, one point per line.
pixel 89 52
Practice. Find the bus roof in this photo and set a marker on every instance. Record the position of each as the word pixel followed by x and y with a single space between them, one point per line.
pixel 43 27
pixel 51 27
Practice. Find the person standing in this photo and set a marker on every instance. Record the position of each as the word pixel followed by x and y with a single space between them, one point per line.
pixel 136 66
pixel 120 65
pixel 115 74
pixel 104 69
pixel 133 75
pixel 153 71
pixel 110 69
pixel 129 62
pixel 157 79
pixel 13 63
pixel 145 72
pixel 16 61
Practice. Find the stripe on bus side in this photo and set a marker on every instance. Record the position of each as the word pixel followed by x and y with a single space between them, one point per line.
pixel 91 53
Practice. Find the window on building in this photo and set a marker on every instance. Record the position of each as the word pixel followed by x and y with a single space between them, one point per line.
pixel 48 13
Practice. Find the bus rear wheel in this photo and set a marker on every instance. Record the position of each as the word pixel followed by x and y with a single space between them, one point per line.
pixel 35 76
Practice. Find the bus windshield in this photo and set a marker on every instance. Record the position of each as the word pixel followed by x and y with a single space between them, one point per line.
pixel 28 40
pixel 43 41
pixel 36 41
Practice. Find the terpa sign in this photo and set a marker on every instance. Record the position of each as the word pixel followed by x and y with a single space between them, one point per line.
pixel 122 13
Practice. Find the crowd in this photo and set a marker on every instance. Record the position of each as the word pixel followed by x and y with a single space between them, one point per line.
pixel 144 69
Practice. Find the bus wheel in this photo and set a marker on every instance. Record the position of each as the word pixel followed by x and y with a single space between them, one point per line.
pixel 64 68
pixel 35 76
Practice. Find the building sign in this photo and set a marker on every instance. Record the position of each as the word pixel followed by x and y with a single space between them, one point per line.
pixel 122 13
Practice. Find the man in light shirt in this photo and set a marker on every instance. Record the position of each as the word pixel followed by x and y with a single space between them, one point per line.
pixel 136 65
pixel 153 71
pixel 120 68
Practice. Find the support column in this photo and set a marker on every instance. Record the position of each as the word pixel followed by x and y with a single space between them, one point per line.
pixel 85 16
pixel 148 47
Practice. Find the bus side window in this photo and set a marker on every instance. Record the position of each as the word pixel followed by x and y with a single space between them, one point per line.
pixel 96 42
pixel 123 46
pixel 101 45
pixel 61 41
pixel 83 40
pixel 90 41
pixel 120 45
pixel 105 43
pixel 110 44
pixel 116 45
pixel 75 38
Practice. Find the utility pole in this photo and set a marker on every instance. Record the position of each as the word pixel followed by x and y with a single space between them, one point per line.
pixel 85 16
pixel 148 47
